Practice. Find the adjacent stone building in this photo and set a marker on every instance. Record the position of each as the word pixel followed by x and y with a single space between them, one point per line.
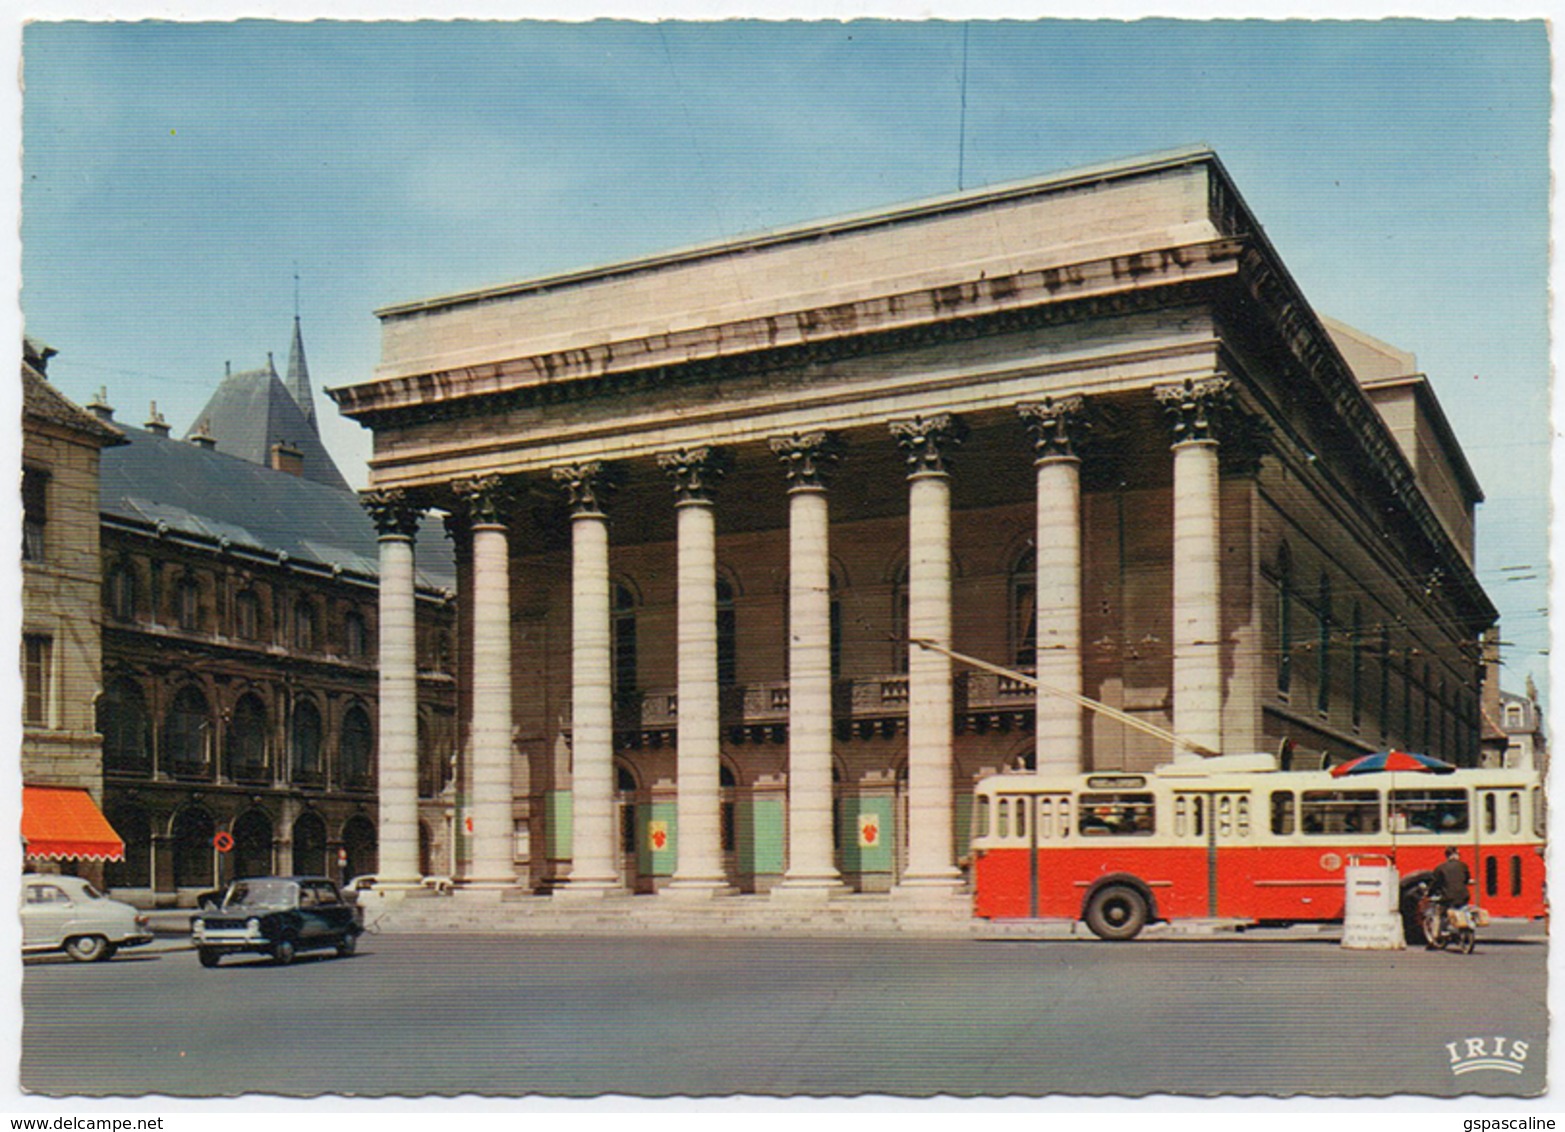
pixel 61 757
pixel 239 628
pixel 1084 426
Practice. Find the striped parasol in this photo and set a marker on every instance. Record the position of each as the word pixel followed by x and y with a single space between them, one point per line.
pixel 1392 762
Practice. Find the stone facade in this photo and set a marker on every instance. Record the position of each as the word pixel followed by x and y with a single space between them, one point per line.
pixel 1083 426
pixel 240 677
pixel 61 658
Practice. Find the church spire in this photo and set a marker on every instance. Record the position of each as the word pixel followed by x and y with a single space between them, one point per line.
pixel 298 381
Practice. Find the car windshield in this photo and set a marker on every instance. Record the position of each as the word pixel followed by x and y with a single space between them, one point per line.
pixel 269 893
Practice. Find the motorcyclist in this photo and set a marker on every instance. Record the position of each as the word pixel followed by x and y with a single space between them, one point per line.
pixel 1449 887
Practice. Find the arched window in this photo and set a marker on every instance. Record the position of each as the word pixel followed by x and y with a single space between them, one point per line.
pixel 135 830
pixel 357 745
pixel 624 624
pixel 727 635
pixel 1323 647
pixel 126 729
pixel 309 845
pixel 193 854
pixel 1383 650
pixel 625 788
pixel 1356 666
pixel 353 636
pixel 1284 619
pixel 253 845
pixel 434 753
pixel 247 740
pixel 119 592
pixel 728 830
pixel 358 841
pixel 1024 610
pixel 247 616
pixel 306 742
pixel 187 749
pixel 304 626
pixel 187 599
pixel 899 621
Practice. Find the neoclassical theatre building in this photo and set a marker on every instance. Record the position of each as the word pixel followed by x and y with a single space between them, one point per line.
pixel 1085 426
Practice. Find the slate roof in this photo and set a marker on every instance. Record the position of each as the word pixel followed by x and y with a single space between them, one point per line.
pixel 253 410
pixel 214 495
pixel 43 402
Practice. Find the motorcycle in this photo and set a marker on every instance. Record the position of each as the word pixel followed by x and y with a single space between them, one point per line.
pixel 1457 925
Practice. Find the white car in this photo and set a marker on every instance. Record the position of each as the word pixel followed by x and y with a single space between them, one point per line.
pixel 61 913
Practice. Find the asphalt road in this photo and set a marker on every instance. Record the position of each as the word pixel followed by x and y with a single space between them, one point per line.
pixel 420 1015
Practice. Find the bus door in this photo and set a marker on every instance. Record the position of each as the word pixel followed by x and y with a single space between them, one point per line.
pixel 1049 829
pixel 1216 820
pixel 1499 830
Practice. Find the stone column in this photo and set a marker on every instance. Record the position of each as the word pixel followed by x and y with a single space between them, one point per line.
pixel 396 518
pixel 594 845
pixel 931 852
pixel 700 862
pixel 1059 736
pixel 492 863
pixel 1194 410
pixel 812 868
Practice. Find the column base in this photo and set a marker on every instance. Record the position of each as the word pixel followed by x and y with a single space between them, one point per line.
pixel 937 889
pixel 810 888
pixel 480 893
pixel 588 889
pixel 697 888
pixel 486 884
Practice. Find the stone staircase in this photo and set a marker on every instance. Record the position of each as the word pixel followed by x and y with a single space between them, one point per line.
pixel 858 915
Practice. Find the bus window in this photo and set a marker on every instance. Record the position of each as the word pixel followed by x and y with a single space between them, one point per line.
pixel 1117 814
pixel 1005 818
pixel 1021 817
pixel 1490 822
pixel 1243 815
pixel 1516 875
pixel 1225 816
pixel 1539 825
pixel 1515 811
pixel 1341 811
pixel 1491 875
pixel 1429 811
pixel 981 822
pixel 1064 817
pixel 1282 811
pixel 1044 822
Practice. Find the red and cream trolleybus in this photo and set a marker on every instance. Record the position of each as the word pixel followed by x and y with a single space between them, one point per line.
pixel 1234 838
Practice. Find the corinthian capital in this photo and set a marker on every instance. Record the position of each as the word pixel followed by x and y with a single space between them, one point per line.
pixel 1197 410
pixel 806 457
pixel 1058 425
pixel 927 441
pixel 391 510
pixel 695 471
pixel 587 486
pixel 487 498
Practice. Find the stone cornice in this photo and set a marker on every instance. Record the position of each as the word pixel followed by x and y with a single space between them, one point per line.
pixel 931 311
pixel 1308 345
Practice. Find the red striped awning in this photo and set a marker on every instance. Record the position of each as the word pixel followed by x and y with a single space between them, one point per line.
pixel 62 823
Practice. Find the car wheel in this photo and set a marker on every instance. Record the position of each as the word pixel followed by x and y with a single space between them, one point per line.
pixel 87 948
pixel 282 952
pixel 347 945
pixel 1117 911
pixel 208 956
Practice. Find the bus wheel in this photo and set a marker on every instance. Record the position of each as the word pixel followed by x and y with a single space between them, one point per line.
pixel 1117 911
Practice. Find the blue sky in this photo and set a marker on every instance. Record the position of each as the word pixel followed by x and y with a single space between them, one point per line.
pixel 176 176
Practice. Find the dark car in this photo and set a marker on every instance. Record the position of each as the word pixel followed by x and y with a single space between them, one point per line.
pixel 277 916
